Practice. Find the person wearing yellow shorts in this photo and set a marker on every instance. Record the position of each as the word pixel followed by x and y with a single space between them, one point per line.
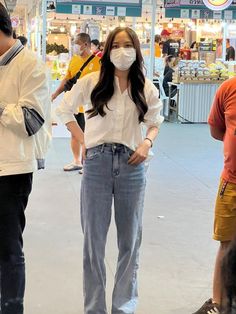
pixel 82 54
pixel 222 122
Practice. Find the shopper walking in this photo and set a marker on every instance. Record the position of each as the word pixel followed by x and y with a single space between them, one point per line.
pixel 25 132
pixel 82 63
pixel 170 46
pixel 223 127
pixel 95 48
pixel 120 100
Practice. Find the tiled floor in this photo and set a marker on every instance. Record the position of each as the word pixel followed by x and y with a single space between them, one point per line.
pixel 177 251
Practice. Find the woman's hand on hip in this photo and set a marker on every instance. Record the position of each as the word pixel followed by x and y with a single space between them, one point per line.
pixel 141 154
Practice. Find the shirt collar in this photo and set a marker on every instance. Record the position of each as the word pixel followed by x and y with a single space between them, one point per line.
pixel 11 53
pixel 117 86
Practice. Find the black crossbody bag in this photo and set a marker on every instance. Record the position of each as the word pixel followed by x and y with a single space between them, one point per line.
pixel 69 84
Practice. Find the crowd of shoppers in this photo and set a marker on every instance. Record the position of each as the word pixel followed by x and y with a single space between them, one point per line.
pixel 120 102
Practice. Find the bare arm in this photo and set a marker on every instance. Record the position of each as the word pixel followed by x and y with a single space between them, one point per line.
pixel 217 134
pixel 152 133
pixel 142 151
pixel 59 90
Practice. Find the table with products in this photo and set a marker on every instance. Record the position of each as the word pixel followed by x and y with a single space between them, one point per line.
pixel 197 84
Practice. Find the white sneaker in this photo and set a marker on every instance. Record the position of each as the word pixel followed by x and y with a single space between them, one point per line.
pixel 72 166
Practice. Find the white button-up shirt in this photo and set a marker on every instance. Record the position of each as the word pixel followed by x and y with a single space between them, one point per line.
pixel 121 123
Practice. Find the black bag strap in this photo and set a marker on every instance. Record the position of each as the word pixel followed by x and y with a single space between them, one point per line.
pixel 69 84
pixel 77 76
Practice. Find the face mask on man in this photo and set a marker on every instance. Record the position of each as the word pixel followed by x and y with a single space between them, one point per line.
pixel 123 58
pixel 77 50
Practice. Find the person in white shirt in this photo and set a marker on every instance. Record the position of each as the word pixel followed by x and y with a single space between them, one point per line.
pixel 120 101
pixel 25 127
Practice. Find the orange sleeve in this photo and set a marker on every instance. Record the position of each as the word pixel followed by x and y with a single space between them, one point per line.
pixel 217 117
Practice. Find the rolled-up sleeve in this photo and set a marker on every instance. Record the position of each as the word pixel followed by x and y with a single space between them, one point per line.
pixel 69 104
pixel 153 116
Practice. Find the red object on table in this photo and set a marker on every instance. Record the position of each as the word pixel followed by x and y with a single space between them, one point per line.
pixel 185 54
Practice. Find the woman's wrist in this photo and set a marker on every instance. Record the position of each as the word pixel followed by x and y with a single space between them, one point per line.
pixel 148 140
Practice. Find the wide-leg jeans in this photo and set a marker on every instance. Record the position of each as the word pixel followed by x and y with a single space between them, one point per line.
pixel 107 177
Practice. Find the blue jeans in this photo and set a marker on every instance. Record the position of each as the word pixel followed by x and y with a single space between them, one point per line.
pixel 108 176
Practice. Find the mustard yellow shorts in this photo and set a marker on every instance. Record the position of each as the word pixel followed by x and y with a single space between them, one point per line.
pixel 225 212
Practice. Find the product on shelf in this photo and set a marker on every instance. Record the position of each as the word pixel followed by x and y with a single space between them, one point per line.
pixel 58 65
pixel 192 70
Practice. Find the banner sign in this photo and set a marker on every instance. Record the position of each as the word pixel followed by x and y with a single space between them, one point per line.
pixel 172 3
pixel 15 21
pixel 222 4
pixel 102 7
pixel 217 5
pixel 197 9
pixel 204 13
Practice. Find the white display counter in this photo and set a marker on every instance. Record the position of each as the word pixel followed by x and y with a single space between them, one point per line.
pixel 195 99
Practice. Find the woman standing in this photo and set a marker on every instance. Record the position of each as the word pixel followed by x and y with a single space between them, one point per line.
pixel 120 100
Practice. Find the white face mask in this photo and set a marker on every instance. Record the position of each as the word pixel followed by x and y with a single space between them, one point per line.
pixel 77 50
pixel 123 58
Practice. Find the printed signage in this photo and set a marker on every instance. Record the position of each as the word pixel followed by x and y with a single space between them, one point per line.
pixel 100 11
pixel 51 6
pixel 88 9
pixel 76 9
pixel 15 21
pixel 172 3
pixel 184 13
pixel 217 5
pixel 217 15
pixel 101 7
pixel 110 11
pixel 195 14
pixel 121 11
pixel 228 15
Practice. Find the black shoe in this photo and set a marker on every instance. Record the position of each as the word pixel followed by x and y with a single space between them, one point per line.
pixel 209 307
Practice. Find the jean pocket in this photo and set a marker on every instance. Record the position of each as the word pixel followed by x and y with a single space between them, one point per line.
pixel 130 152
pixel 90 155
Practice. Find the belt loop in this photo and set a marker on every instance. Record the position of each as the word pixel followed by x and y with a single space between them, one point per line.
pixel 102 147
pixel 125 148
pixel 113 147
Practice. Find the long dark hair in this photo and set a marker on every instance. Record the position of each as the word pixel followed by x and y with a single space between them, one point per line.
pixel 228 274
pixel 104 90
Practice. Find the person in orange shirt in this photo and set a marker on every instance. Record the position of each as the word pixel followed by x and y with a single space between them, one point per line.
pixel 82 54
pixel 222 122
pixel 157 46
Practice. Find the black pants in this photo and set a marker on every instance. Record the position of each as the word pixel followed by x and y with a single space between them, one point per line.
pixel 80 120
pixel 14 193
